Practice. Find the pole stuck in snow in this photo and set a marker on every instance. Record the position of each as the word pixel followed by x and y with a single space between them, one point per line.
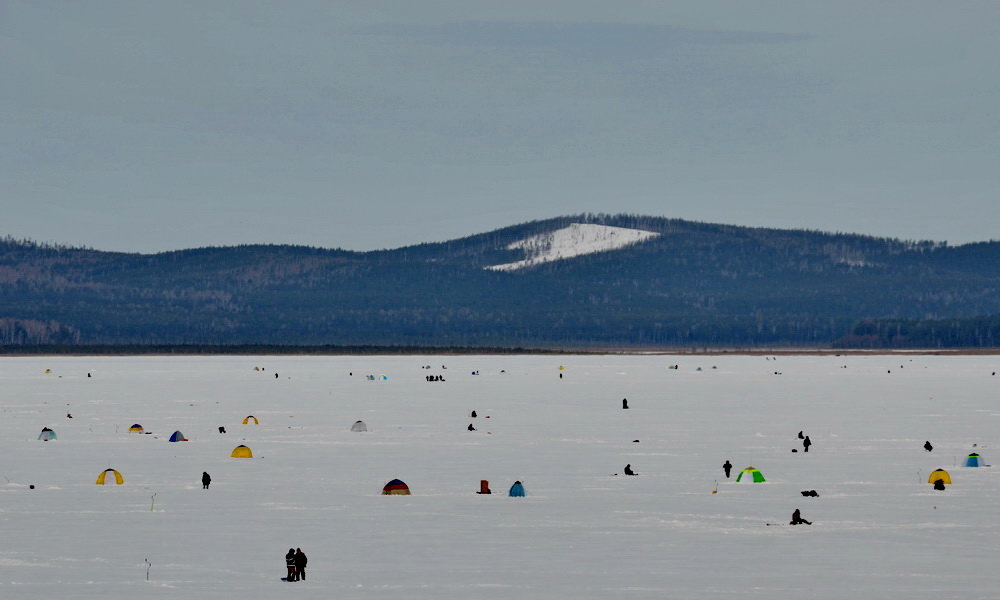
pixel 148 565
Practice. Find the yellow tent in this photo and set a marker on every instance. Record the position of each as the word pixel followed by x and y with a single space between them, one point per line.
pixel 242 451
pixel 118 477
pixel 939 474
pixel 251 417
pixel 135 428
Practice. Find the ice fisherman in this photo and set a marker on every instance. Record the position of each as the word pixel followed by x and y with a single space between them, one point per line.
pixel 806 443
pixel 927 446
pixel 206 480
pixel 290 563
pixel 628 470
pixel 727 467
pixel 300 564
pixel 797 519
pixel 624 403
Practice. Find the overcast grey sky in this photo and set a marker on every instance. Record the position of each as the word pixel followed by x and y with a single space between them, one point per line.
pixel 146 126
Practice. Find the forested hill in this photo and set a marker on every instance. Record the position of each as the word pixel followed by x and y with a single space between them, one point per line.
pixel 693 284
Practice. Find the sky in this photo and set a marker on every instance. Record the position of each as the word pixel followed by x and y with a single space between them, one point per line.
pixel 152 126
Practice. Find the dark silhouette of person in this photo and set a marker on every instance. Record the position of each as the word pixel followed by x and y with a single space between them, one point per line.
pixel 798 520
pixel 628 470
pixel 300 564
pixel 474 415
pixel 927 446
pixel 624 404
pixel 222 429
pixel 290 563
pixel 939 484
pixel 801 437
pixel 471 428
pixel 560 376
pixel 727 467
pixel 206 479
pixel 275 375
pixel 806 443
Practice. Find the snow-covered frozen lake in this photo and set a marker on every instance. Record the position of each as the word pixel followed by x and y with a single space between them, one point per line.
pixel 879 530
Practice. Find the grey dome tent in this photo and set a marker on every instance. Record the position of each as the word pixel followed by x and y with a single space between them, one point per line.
pixel 359 426
pixel 47 434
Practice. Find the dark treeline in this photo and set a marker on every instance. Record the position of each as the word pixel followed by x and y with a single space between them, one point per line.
pixel 256 349
pixel 695 285
pixel 981 332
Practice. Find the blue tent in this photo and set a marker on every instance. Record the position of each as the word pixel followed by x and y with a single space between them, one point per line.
pixel 178 437
pixel 974 460
pixel 516 490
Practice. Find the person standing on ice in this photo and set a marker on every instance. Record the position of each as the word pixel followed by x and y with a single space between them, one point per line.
pixel 206 479
pixel 727 467
pixel 806 443
pixel 624 403
pixel 300 564
pixel 290 564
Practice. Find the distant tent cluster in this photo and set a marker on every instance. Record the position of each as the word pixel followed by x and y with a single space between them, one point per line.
pixel 397 487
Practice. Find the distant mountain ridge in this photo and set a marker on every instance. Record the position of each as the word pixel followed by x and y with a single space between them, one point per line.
pixel 675 284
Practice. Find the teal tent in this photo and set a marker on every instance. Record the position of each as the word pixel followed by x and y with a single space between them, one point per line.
pixel 516 490
pixel 974 460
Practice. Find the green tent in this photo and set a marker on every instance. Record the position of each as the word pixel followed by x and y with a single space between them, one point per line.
pixel 750 475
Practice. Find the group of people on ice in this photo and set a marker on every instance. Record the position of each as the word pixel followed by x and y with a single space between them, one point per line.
pixel 296 562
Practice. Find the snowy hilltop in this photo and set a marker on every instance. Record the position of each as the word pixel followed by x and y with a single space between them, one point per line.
pixel 568 282
pixel 576 240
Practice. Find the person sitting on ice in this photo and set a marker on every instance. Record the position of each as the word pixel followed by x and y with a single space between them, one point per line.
pixel 628 470
pixel 927 446
pixel 797 519
pixel 939 484
pixel 471 428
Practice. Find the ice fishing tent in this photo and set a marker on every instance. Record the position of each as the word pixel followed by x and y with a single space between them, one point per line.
pixel 359 426
pixel 939 474
pixel 242 451
pixel 251 418
pixel 973 460
pixel 396 488
pixel 516 490
pixel 178 437
pixel 47 434
pixel 118 477
pixel 135 428
pixel 750 475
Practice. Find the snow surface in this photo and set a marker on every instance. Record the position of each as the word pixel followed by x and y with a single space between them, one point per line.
pixel 576 240
pixel 880 531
